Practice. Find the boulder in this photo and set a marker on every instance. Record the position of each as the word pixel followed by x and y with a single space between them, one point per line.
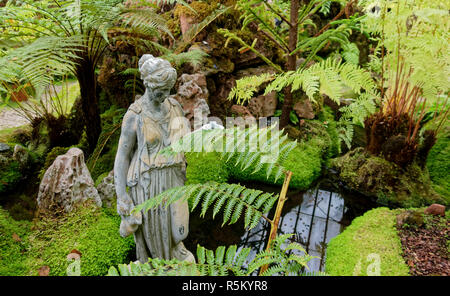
pixel 4 147
pixel 435 209
pixel 264 105
pixel 192 94
pixel 411 218
pixel 244 117
pixel 304 109
pixel 66 182
pixel 21 154
pixel 106 190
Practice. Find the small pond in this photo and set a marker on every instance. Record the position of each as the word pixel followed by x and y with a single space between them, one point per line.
pixel 315 217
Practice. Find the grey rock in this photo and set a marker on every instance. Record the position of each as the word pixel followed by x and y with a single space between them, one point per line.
pixel 192 94
pixel 263 105
pixel 21 154
pixel 106 190
pixel 304 109
pixel 4 147
pixel 67 182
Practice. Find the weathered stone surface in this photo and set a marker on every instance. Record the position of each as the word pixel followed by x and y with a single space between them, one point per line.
pixel 264 105
pixel 192 93
pixel 106 190
pixel 4 147
pixel 435 209
pixel 304 109
pixel 411 218
pixel 67 182
pixel 240 110
pixel 21 154
pixel 244 117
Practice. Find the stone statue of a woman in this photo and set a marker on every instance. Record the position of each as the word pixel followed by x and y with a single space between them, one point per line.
pixel 151 123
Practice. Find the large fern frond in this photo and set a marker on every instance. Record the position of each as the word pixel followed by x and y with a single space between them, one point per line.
pixel 232 199
pixel 221 262
pixel 259 148
pixel 328 77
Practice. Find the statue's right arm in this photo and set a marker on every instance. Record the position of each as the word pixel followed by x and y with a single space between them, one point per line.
pixel 124 154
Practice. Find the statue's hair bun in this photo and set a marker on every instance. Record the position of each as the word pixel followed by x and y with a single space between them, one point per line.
pixel 156 72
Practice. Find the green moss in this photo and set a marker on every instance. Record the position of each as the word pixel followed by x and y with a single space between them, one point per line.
pixel 201 10
pixel 373 234
pixel 10 175
pixel 390 184
pixel 204 167
pixel 438 164
pixel 317 142
pixel 12 248
pixel 304 162
pixel 92 231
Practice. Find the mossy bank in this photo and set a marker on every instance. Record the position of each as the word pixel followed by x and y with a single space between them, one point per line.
pixel 369 246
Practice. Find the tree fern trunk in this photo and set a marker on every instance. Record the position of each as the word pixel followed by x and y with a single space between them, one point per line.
pixel 291 63
pixel 89 101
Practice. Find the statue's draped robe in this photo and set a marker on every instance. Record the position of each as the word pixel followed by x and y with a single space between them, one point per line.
pixel 151 173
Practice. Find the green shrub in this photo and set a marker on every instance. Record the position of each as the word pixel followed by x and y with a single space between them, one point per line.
pixel 350 252
pixel 92 231
pixel 327 116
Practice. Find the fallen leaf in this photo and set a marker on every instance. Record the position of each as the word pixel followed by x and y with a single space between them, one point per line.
pixel 16 238
pixel 44 271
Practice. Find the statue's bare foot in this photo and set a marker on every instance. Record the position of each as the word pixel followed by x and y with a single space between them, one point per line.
pixel 181 253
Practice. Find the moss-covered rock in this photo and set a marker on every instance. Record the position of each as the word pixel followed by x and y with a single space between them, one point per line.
pixel 438 164
pixel 14 166
pixel 390 184
pixel 370 239
pixel 92 231
pixel 304 161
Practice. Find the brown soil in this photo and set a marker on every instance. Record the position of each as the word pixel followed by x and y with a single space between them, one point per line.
pixel 426 248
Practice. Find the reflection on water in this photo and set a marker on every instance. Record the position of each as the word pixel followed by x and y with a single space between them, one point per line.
pixel 314 222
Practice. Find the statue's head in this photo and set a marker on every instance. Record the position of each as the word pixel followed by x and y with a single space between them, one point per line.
pixel 158 75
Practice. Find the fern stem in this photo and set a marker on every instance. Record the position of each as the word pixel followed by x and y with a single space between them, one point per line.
pixel 276 219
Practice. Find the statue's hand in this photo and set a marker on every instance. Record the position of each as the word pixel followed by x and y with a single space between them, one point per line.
pixel 124 205
pixel 130 224
pixel 130 221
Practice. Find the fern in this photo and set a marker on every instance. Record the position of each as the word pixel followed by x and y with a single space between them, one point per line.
pixel 221 262
pixel 247 86
pixel 327 77
pixel 232 199
pixel 250 147
pixel 413 33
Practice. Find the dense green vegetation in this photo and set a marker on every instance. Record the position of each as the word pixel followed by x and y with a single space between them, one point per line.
pixel 439 166
pixel 370 237
pixel 13 245
pixel 325 68
pixel 89 230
